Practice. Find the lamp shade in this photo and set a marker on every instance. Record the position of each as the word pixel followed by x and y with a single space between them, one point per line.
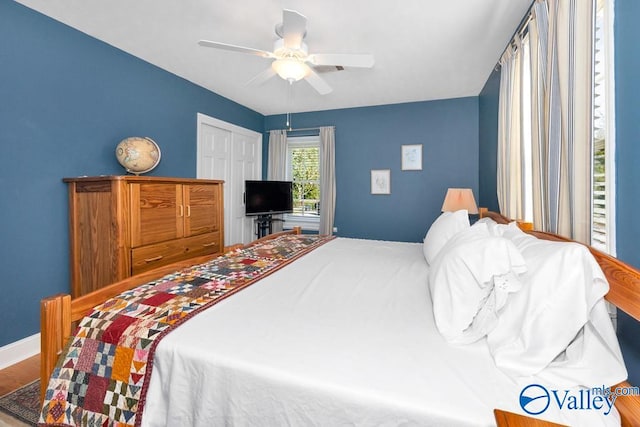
pixel 459 198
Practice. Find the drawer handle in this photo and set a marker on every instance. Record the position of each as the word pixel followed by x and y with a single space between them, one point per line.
pixel 155 258
pixel 206 245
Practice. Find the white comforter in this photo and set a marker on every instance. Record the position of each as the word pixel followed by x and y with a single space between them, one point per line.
pixel 343 336
pixel 557 326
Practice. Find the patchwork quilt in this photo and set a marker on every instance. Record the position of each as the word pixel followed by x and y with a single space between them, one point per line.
pixel 102 377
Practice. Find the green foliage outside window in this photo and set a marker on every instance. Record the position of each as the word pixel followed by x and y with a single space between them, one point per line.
pixel 305 170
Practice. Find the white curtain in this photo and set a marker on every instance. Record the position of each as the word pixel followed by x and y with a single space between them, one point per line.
pixel 327 179
pixel 579 38
pixel 560 38
pixel 510 172
pixel 538 49
pixel 562 116
pixel 277 164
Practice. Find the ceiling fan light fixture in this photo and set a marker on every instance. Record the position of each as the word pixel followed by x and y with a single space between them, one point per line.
pixel 291 59
pixel 289 69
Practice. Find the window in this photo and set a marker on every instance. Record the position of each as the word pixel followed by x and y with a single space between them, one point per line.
pixel 603 195
pixel 303 169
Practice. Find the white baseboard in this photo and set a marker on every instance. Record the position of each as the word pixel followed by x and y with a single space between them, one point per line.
pixel 17 351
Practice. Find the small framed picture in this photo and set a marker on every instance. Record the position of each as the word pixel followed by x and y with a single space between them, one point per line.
pixel 412 157
pixel 380 181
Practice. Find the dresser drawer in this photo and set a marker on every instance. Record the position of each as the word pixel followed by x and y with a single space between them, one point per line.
pixel 156 255
pixel 202 244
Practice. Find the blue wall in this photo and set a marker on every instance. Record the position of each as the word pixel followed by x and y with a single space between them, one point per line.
pixel 627 57
pixel 488 140
pixel 627 64
pixel 371 138
pixel 627 94
pixel 66 100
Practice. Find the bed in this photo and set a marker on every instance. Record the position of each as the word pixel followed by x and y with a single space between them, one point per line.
pixel 343 335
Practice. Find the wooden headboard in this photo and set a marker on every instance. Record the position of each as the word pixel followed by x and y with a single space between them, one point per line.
pixel 624 293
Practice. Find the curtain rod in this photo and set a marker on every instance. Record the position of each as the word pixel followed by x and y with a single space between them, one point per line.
pixel 303 129
pixel 525 23
pixel 519 31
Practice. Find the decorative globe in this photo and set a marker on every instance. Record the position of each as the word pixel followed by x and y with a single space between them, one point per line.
pixel 138 154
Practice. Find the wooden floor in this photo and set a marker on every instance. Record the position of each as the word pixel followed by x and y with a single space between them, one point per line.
pixel 22 373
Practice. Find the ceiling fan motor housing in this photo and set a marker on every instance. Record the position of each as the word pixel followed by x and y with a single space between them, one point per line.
pixel 280 51
pixel 280 31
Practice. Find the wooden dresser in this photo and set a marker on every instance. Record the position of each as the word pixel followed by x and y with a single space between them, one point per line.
pixel 124 225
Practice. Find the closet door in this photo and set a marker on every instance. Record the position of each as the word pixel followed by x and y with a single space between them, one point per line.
pixel 244 167
pixel 233 154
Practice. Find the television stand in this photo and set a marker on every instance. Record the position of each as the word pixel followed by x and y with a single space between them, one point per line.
pixel 264 225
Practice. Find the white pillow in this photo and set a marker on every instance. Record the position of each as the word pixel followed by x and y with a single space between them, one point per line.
pixel 470 281
pixel 492 226
pixel 443 228
pixel 500 230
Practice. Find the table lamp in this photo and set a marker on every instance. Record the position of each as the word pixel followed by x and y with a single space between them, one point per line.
pixel 460 198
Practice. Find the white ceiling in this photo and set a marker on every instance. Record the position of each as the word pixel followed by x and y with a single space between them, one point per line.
pixel 423 49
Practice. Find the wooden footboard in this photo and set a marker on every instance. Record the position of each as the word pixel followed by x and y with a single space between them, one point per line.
pixel 624 293
pixel 59 312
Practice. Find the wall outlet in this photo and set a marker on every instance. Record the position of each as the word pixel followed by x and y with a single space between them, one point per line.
pixel 335 229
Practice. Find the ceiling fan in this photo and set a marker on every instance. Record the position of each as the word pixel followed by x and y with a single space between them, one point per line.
pixel 292 60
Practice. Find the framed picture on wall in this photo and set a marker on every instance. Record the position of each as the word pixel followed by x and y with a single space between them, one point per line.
pixel 412 157
pixel 380 181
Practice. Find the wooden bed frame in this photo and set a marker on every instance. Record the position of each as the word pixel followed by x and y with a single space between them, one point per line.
pixel 58 313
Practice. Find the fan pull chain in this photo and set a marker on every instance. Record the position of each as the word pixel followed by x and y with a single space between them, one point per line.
pixel 288 124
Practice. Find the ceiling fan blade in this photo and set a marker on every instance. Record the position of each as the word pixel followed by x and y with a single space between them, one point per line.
pixel 234 48
pixel 294 28
pixel 345 59
pixel 261 77
pixel 317 82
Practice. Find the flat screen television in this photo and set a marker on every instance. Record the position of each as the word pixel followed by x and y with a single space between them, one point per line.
pixel 268 197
